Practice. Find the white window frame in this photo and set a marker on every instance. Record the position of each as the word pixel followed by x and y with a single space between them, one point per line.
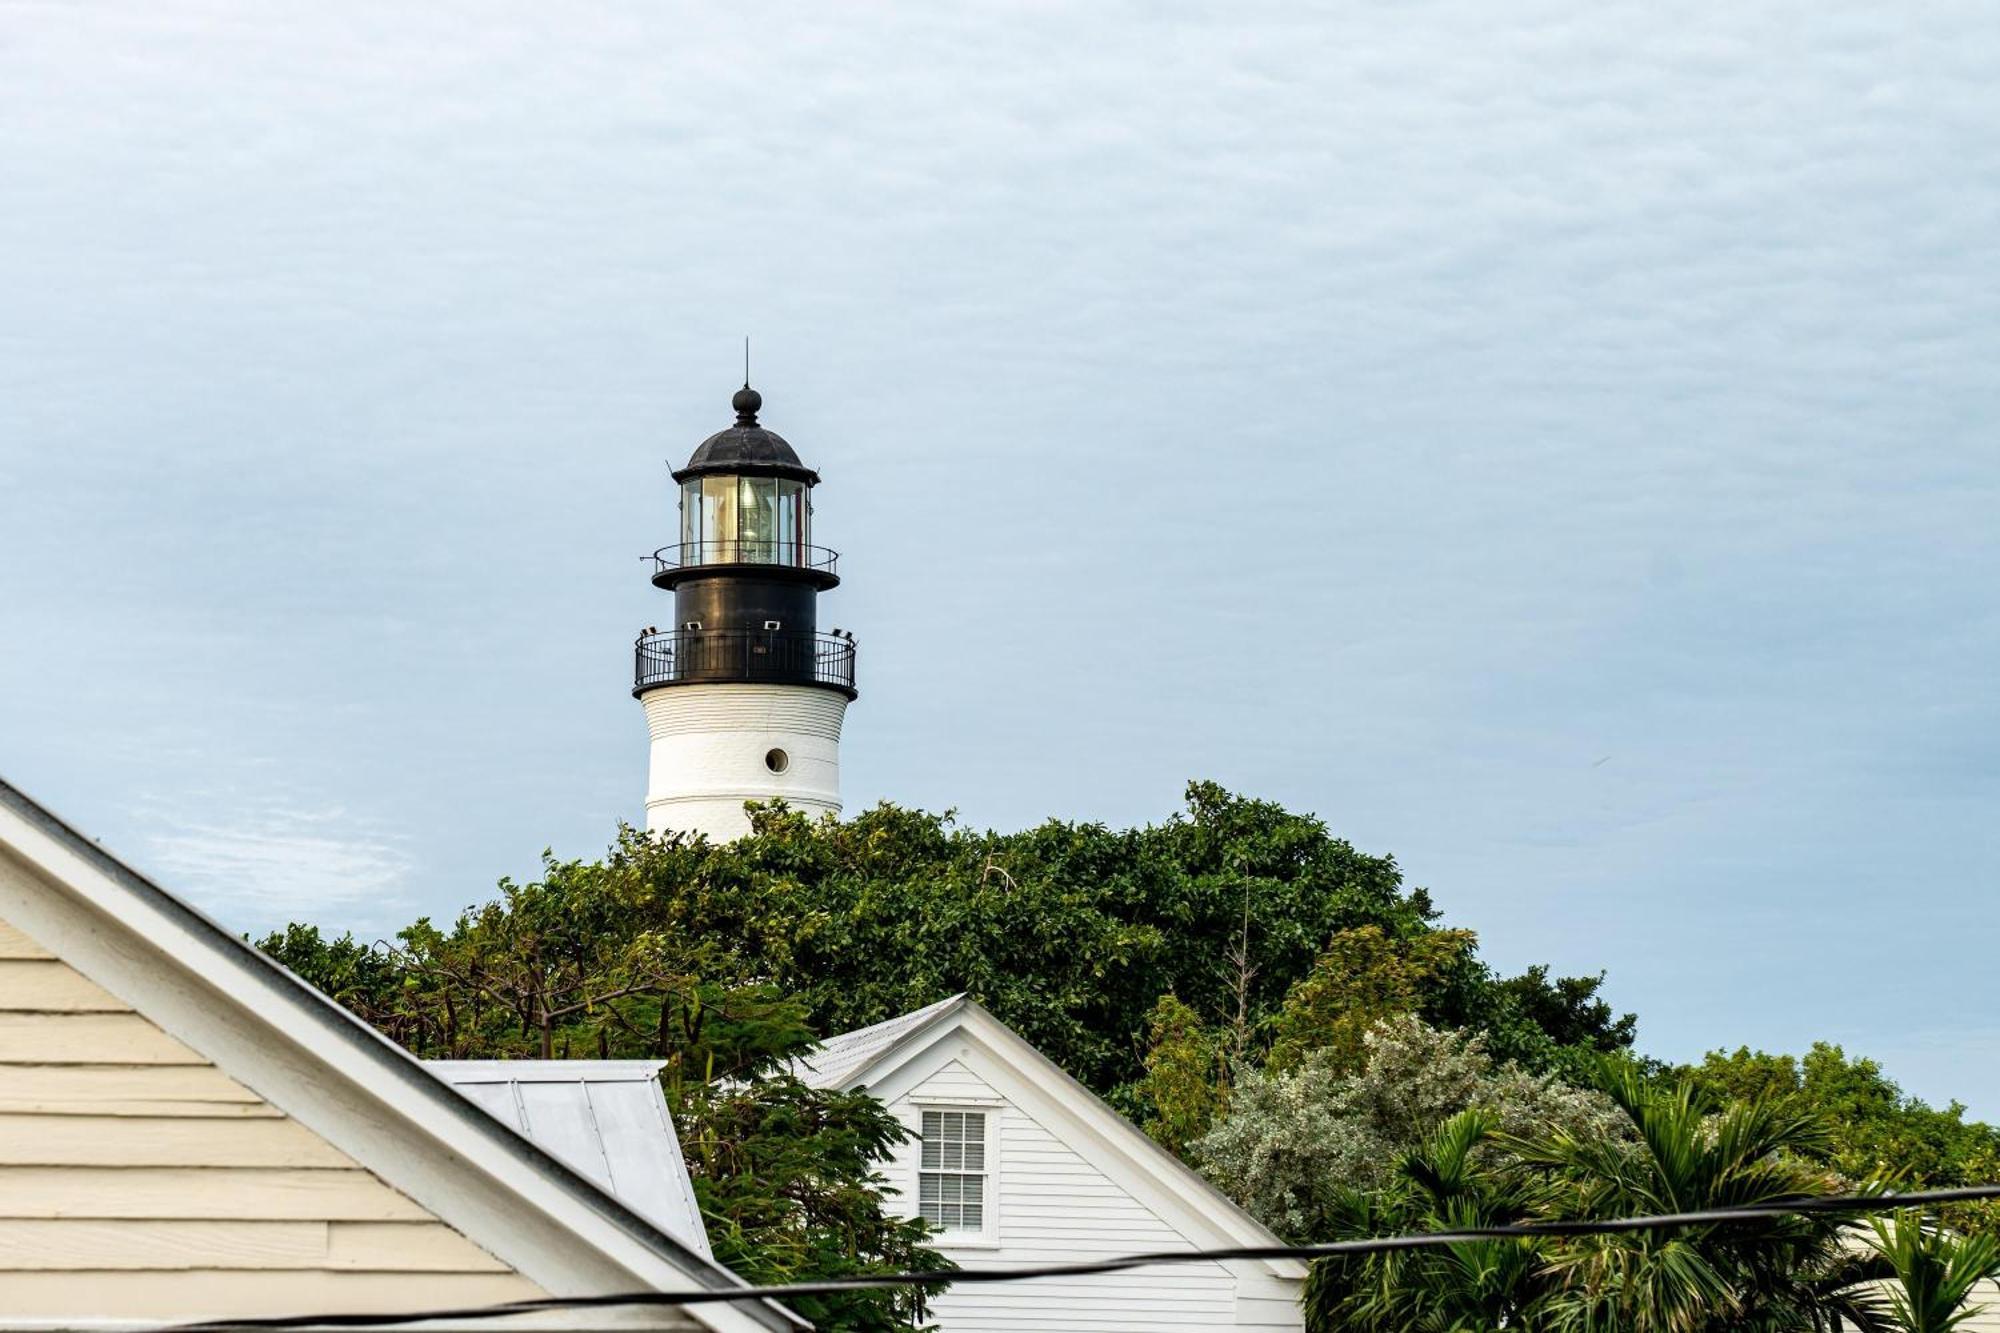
pixel 988 1236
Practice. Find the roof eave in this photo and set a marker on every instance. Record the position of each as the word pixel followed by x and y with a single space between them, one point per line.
pixel 747 468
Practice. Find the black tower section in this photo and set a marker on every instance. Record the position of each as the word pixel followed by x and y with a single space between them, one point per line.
pixel 745 575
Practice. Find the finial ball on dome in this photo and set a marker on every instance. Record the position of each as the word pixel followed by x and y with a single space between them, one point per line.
pixel 747 401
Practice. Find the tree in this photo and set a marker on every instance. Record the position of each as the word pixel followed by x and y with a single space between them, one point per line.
pixel 1364 976
pixel 1070 933
pixel 1568 1010
pixel 1874 1129
pixel 547 957
pixel 1447 1183
pixel 787 1175
pixel 1186 1085
pixel 1789 1274
pixel 1686 1155
pixel 1295 1142
pixel 350 972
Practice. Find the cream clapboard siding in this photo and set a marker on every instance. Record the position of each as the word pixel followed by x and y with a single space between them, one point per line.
pixel 1054 1207
pixel 137 1180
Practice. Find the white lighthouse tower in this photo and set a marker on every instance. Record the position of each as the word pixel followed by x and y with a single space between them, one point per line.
pixel 743 695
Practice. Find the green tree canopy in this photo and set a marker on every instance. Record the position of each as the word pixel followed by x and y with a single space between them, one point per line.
pixel 1875 1131
pixel 727 960
pixel 1295 1143
pixel 1071 933
pixel 1669 1150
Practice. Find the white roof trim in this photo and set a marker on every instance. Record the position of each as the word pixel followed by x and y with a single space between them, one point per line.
pixel 964 1017
pixel 341 1079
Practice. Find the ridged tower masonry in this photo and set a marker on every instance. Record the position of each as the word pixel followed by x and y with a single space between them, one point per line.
pixel 744 696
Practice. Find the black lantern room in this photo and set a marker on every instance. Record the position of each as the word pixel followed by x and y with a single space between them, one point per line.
pixel 745 575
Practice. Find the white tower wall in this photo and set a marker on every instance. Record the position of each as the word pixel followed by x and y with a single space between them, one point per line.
pixel 709 750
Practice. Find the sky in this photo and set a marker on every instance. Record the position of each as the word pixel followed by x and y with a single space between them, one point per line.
pixel 1553 442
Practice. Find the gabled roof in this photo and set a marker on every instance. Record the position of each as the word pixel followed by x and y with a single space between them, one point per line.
pixel 340 1079
pixel 870 1057
pixel 606 1120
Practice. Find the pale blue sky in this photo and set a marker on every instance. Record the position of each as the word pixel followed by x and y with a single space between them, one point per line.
pixel 1552 441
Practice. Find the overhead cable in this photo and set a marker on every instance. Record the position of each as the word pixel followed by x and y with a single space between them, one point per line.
pixel 1856 1204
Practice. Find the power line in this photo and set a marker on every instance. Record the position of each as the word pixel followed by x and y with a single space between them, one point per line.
pixel 1835 1203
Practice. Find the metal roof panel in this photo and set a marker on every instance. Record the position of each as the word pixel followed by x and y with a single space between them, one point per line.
pixel 606 1120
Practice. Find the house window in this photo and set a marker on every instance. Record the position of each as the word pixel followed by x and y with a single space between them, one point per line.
pixel 951 1171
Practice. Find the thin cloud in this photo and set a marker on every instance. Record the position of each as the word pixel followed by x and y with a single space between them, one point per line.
pixel 269 864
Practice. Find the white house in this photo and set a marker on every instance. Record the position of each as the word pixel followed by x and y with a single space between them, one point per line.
pixel 1021 1165
pixel 188 1131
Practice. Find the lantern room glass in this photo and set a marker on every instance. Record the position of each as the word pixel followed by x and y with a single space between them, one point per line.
pixel 745 520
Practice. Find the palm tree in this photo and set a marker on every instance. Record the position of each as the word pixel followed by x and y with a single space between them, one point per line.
pixel 1789 1273
pixel 1445 1184
pixel 1935 1271
pixel 1795 1273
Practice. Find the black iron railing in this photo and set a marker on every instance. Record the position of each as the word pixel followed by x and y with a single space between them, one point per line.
pixel 719 656
pixel 793 555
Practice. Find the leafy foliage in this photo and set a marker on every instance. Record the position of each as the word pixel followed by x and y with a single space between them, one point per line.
pixel 1674 1153
pixel 1444 1183
pixel 1295 1143
pixel 1785 1273
pixel 1364 976
pixel 1874 1129
pixel 724 960
pixel 1070 933
pixel 786 1177
pixel 1186 1081
pixel 1568 1010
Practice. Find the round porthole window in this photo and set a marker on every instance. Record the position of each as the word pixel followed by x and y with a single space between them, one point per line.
pixel 777 760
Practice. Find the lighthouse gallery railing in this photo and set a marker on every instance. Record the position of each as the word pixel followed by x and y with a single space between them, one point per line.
pixel 719 656
pixel 746 551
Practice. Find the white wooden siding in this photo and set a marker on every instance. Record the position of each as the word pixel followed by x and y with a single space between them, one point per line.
pixel 137 1180
pixel 1984 1304
pixel 1055 1206
pixel 1986 1297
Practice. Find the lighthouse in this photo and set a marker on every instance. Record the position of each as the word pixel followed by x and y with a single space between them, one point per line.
pixel 744 696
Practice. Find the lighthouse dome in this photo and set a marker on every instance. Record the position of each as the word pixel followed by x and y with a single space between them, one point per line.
pixel 746 448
